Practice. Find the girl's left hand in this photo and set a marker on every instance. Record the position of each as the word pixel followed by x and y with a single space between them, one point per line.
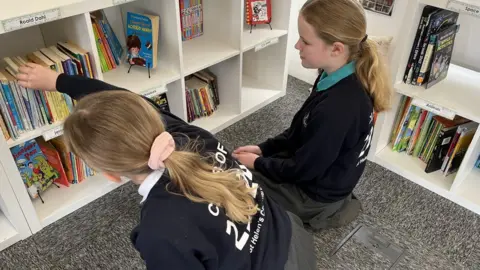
pixel 247 159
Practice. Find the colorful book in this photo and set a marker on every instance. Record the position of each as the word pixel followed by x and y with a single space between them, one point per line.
pixel 142 39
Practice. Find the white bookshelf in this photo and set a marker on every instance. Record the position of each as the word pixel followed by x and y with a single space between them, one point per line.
pixel 458 93
pixel 247 81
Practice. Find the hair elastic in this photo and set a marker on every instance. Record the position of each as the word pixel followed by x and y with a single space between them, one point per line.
pixel 162 147
pixel 364 38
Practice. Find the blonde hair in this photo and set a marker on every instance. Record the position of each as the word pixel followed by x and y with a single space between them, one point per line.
pixel 113 131
pixel 344 21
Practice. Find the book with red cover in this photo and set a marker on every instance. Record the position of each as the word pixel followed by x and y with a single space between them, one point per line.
pixel 258 12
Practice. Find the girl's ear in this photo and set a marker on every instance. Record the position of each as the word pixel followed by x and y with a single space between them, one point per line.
pixel 112 177
pixel 338 48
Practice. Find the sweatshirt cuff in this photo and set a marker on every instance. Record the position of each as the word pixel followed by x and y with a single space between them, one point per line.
pixel 258 163
pixel 62 83
pixel 266 150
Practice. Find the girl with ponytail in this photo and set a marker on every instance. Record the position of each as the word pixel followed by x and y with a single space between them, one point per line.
pixel 312 167
pixel 201 209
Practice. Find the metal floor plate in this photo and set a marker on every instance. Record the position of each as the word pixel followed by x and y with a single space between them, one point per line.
pixel 375 242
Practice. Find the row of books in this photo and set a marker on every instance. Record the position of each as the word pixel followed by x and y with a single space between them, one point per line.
pixel 24 109
pixel 201 90
pixel 191 18
pixel 109 48
pixel 439 142
pixel 432 49
pixel 42 164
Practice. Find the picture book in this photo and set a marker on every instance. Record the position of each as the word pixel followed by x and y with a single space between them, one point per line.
pixel 442 55
pixel 142 39
pixel 258 11
pixel 191 18
pixel 53 158
pixel 36 172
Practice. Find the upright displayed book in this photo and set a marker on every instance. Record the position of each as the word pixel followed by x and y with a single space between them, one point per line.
pixel 142 39
pixel 37 173
pixel 191 18
pixel 432 47
pixel 258 12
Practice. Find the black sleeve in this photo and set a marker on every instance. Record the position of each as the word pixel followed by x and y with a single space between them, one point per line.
pixel 274 145
pixel 77 86
pixel 312 160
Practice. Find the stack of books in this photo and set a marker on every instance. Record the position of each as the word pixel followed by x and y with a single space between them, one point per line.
pixel 201 91
pixel 25 109
pixel 439 142
pixel 109 48
pixel 432 49
pixel 42 164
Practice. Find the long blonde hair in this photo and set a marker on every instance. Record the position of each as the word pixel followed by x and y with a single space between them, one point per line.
pixel 113 131
pixel 344 21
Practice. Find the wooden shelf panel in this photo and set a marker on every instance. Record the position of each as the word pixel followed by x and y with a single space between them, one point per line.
pixel 469 189
pixel 414 169
pixel 8 234
pixel 203 52
pixel 137 80
pixel 459 92
pixel 250 40
pixel 62 201
pixel 256 94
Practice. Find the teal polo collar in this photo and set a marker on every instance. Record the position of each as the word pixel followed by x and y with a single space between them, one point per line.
pixel 326 81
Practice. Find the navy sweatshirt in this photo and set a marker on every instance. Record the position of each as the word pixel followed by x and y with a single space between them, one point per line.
pixel 325 148
pixel 178 234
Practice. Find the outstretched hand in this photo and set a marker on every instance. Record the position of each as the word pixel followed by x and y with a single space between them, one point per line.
pixel 37 77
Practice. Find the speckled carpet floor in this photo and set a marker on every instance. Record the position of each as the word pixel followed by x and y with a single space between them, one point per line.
pixel 435 233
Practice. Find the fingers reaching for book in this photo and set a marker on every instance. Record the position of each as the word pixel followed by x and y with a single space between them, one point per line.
pixel 34 76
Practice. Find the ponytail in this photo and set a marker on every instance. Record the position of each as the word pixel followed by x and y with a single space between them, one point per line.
pixel 113 132
pixel 196 179
pixel 373 75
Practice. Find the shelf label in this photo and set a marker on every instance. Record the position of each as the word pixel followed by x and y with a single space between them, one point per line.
pixel 154 91
pixel 464 7
pixel 119 2
pixel 434 108
pixel 32 19
pixel 266 43
pixel 53 133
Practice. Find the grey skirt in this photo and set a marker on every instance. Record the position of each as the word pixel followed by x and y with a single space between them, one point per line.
pixel 301 255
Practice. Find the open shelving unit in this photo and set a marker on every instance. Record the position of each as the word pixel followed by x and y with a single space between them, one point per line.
pixel 251 70
pixel 457 94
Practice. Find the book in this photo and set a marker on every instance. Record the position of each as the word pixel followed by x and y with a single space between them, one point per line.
pixel 441 55
pixel 36 172
pixel 258 12
pixel 142 39
pixel 191 18
pixel 434 24
pixel 442 143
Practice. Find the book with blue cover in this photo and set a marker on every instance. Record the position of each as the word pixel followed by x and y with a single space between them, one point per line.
pixel 142 39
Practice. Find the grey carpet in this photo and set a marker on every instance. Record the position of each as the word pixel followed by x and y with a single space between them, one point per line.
pixel 436 233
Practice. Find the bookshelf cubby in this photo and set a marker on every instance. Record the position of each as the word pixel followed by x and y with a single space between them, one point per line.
pixel 456 95
pixel 251 71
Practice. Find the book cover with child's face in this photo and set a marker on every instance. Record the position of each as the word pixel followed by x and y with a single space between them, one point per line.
pixel 139 40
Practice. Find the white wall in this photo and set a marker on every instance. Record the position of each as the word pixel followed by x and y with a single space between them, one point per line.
pixel 377 24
